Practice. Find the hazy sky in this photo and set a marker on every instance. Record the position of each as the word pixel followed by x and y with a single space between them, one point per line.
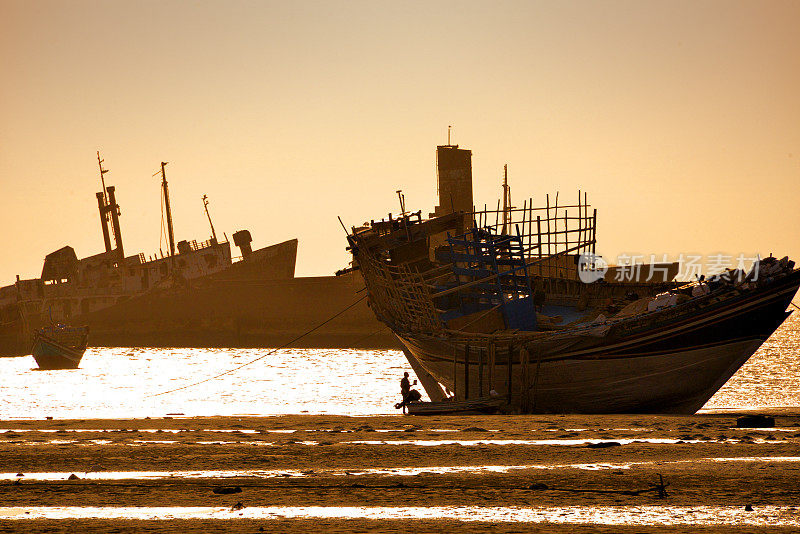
pixel 680 119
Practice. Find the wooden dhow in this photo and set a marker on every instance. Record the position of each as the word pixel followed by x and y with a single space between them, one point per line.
pixel 497 302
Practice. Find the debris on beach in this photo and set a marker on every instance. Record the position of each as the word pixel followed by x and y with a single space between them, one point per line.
pixel 603 444
pixel 755 421
pixel 226 490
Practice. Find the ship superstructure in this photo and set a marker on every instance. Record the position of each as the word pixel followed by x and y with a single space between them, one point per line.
pixel 70 287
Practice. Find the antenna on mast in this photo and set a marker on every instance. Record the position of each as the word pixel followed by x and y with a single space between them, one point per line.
pixel 448 134
pixel 165 189
pixel 102 178
pixel 205 206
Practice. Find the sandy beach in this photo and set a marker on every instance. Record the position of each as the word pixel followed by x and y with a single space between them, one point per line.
pixel 574 473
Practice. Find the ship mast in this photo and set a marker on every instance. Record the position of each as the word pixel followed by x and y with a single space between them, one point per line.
pixel 165 188
pixel 102 203
pixel 107 204
pixel 506 201
pixel 102 177
pixel 205 206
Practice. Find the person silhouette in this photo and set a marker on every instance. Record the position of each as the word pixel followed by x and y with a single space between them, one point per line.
pixel 405 391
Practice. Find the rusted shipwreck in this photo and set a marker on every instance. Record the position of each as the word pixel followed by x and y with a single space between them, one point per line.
pixel 494 303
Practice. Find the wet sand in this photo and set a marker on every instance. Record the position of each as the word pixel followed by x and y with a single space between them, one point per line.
pixel 555 465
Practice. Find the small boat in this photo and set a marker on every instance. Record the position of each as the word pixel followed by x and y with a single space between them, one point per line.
pixel 487 405
pixel 60 346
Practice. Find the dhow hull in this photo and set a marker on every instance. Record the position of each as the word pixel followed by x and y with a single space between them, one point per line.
pixel 674 368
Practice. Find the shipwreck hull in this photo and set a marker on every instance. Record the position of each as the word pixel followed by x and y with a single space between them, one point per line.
pixel 674 368
pixel 244 314
pixel 13 341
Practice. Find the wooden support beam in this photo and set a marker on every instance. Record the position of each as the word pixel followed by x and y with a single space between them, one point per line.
pixel 510 370
pixel 466 372
pixel 431 386
pixel 535 392
pixel 524 357
pixel 480 372
pixel 492 362
pixel 455 372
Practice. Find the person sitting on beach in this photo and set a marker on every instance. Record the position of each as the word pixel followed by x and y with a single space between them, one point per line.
pixel 407 393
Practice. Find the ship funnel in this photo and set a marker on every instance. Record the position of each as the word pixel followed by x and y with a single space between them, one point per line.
pixel 454 173
pixel 101 205
pixel 242 240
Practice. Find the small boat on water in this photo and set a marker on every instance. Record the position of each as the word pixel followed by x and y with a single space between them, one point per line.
pixel 60 346
pixel 515 301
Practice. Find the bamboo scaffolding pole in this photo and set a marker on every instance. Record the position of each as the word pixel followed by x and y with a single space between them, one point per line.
pixel 567 242
pixel 524 216
pixel 580 220
pixel 549 252
pixel 585 213
pixel 539 238
pixel 530 223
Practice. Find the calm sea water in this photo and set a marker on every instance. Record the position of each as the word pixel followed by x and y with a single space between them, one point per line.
pixel 124 382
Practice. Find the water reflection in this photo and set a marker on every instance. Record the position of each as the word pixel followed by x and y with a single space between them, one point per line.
pixel 121 382
pixel 375 471
pixel 556 442
pixel 599 515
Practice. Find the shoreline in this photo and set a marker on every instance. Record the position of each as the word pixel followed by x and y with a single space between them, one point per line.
pixel 775 411
pixel 535 463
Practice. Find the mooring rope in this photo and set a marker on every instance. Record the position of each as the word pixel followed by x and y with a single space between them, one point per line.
pixel 795 305
pixel 273 351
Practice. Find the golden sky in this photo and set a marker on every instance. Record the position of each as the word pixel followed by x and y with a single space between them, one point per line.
pixel 680 119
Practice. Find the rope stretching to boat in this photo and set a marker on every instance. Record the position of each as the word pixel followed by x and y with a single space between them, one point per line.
pixel 273 351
